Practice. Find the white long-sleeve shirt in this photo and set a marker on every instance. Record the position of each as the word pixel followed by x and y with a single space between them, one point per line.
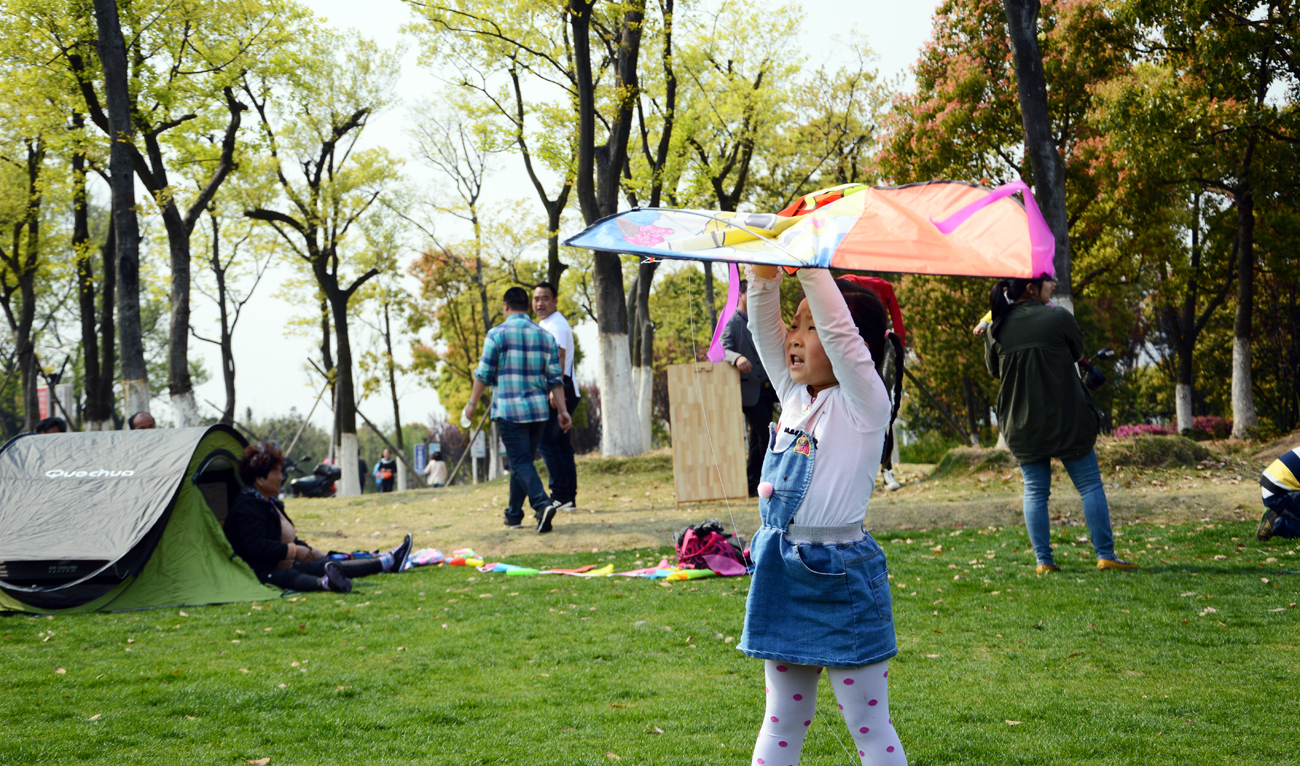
pixel 848 420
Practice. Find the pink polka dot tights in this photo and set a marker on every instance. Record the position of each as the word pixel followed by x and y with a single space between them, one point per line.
pixel 863 697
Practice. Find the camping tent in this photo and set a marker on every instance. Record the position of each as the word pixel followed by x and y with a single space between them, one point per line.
pixel 114 520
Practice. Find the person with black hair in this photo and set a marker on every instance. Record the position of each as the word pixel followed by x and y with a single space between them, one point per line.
pixel 1045 411
pixel 51 426
pixel 141 421
pixel 819 597
pixel 555 447
pixel 435 472
pixel 521 363
pixel 263 535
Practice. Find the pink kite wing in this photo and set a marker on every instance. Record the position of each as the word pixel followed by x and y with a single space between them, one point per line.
pixel 945 228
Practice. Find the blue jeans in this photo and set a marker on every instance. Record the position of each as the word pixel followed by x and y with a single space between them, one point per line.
pixel 1086 476
pixel 520 441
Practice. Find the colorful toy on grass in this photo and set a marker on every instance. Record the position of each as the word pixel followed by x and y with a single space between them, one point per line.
pixel 427 557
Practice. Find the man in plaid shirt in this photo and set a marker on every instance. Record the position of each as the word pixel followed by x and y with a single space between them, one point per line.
pixel 521 364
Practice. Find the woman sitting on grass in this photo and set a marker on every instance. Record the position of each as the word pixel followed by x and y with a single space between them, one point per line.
pixel 263 536
pixel 1045 411
pixel 820 592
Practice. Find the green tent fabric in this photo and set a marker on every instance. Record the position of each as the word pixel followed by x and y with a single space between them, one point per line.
pixel 191 561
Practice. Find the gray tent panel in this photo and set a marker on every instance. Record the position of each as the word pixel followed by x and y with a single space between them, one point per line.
pixel 88 496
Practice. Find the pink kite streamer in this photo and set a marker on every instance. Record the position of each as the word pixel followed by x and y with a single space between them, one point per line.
pixel 716 352
pixel 1042 244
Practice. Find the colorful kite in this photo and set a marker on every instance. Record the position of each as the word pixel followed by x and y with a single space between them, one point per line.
pixel 941 227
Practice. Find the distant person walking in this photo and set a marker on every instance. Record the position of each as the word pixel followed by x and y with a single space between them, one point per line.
pixel 522 364
pixel 386 472
pixel 556 449
pixel 435 472
pixel 1045 411
pixel 758 399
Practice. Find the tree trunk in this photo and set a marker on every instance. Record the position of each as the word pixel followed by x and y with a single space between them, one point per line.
pixel 92 418
pixel 346 411
pixel 392 389
pixel 643 359
pixel 226 341
pixel 99 385
pixel 179 384
pixel 598 170
pixel 112 56
pixel 27 363
pixel 1244 418
pixel 1040 148
pixel 972 418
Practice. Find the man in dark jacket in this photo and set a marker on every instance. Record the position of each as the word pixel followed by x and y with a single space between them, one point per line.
pixel 757 397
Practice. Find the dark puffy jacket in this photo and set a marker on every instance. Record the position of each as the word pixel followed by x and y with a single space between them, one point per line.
pixel 253 529
pixel 1043 407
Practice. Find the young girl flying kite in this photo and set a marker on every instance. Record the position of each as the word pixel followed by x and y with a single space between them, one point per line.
pixel 820 592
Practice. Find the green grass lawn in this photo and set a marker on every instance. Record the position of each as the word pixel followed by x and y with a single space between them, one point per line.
pixel 1190 660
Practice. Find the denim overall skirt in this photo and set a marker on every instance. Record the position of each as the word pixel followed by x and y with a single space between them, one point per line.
pixel 819 596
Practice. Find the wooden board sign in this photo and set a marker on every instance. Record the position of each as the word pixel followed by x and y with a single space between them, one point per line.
pixel 708 432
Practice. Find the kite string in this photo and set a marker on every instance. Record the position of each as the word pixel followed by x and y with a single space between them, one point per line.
pixel 704 411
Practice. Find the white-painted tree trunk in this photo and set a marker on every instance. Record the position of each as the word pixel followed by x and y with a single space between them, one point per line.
pixel 401 476
pixel 494 453
pixel 1002 441
pixel 1183 406
pixel 1065 301
pixel 620 431
pixel 135 395
pixel 645 405
pixel 349 447
pixel 1244 418
pixel 99 425
pixel 186 409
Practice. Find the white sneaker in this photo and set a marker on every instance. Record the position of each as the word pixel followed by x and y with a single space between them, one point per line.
pixel 891 483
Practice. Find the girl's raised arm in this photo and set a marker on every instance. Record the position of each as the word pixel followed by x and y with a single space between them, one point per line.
pixel 768 328
pixel 850 358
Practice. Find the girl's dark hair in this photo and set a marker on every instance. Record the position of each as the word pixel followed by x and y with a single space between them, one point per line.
pixel 437 456
pixel 259 460
pixel 872 320
pixel 1003 297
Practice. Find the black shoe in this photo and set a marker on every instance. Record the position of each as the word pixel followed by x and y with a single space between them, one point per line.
pixel 544 518
pixel 1265 529
pixel 514 524
pixel 338 582
pixel 400 554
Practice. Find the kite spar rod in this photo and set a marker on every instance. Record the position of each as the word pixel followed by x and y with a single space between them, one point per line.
pixel 307 419
pixel 469 447
pixel 962 432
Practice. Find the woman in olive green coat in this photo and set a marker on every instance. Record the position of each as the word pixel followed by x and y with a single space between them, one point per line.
pixel 1045 411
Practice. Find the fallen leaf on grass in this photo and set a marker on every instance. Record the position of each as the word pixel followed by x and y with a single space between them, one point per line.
pixel 94 717
pixel 1013 723
pixel 259 761
pixel 192 717
pixel 613 757
pixel 1208 610
pixel 60 671
pixel 245 670
pixel 184 614
pixel 654 730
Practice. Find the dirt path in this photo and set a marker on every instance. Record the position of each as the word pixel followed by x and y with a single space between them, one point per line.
pixel 633 507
